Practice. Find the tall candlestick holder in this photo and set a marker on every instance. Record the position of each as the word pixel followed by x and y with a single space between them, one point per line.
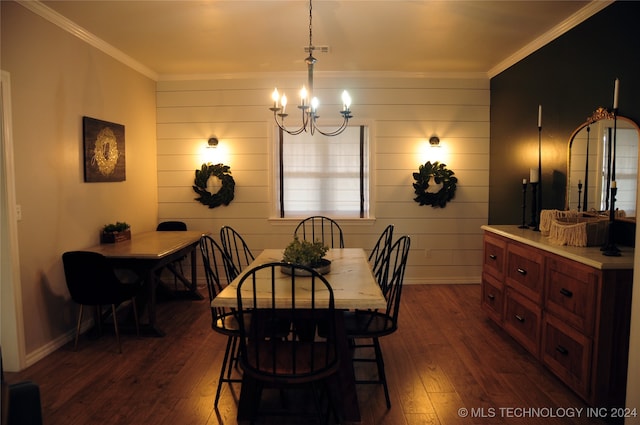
pixel 524 204
pixel 610 249
pixel 579 195
pixel 539 210
pixel 534 209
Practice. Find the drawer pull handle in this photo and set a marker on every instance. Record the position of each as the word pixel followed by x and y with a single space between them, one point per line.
pixel 567 293
pixel 523 272
pixel 519 318
pixel 493 256
pixel 560 349
pixel 491 297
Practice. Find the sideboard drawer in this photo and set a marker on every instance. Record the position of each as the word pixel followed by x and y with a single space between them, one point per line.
pixel 525 271
pixel 570 293
pixel 492 297
pixel 495 251
pixel 567 353
pixel 522 320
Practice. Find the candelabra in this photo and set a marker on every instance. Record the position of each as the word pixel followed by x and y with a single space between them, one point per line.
pixel 534 209
pixel 524 203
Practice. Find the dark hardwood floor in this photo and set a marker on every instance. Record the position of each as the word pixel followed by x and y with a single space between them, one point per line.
pixel 446 357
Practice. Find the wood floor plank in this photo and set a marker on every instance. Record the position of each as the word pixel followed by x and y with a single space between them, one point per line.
pixel 446 356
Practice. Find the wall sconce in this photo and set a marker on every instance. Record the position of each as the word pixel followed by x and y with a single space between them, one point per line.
pixel 214 151
pixel 432 149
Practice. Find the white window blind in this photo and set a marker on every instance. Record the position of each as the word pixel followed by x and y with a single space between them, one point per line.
pixel 325 175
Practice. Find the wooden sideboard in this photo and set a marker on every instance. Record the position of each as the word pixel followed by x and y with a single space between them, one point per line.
pixel 569 307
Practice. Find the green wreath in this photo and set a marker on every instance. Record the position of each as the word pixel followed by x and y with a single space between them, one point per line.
pixel 440 175
pixel 223 196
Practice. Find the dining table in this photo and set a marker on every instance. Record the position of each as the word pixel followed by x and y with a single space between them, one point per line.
pixel 146 253
pixel 354 287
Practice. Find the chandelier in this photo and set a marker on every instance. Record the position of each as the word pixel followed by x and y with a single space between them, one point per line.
pixel 308 108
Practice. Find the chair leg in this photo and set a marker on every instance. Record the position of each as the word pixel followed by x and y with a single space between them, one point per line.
pixel 75 345
pixel 135 316
pixel 115 327
pixel 381 374
pixel 227 365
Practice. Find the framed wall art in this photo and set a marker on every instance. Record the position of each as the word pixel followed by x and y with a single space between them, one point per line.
pixel 104 159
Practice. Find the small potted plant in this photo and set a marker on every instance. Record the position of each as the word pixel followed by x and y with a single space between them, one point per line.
pixel 118 232
pixel 310 254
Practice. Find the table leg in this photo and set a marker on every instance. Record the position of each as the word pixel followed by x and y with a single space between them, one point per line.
pixel 346 398
pixel 151 282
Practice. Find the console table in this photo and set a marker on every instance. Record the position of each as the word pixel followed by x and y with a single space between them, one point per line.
pixel 570 307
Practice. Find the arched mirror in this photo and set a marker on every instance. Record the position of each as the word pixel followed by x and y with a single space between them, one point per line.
pixel 588 186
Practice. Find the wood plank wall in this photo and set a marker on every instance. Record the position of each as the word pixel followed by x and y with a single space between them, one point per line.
pixel 402 112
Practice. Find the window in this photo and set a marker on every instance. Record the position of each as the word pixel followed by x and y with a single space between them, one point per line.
pixel 626 175
pixel 324 175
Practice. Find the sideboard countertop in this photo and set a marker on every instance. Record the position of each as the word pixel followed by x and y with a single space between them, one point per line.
pixel 591 256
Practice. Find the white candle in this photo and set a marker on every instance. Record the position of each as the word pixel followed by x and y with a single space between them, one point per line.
pixel 524 181
pixel 616 87
pixel 534 175
pixel 579 181
pixel 539 116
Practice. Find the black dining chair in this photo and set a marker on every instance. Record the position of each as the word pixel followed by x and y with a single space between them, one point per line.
pixel 174 267
pixel 277 349
pixel 235 247
pixel 92 281
pixel 378 254
pixel 371 325
pixel 320 228
pixel 219 271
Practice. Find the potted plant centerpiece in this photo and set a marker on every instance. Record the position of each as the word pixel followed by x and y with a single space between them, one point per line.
pixel 310 254
pixel 118 232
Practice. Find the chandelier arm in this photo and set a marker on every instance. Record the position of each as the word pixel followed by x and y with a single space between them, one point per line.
pixel 335 132
pixel 283 127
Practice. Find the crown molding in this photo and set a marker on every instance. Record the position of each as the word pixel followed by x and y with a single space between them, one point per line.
pixel 302 75
pixel 577 18
pixel 71 27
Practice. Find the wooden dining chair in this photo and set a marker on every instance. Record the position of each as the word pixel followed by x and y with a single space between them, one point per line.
pixel 92 281
pixel 279 346
pixel 320 228
pixel 235 247
pixel 371 325
pixel 219 271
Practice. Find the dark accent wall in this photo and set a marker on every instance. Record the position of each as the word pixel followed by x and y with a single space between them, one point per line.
pixel 570 77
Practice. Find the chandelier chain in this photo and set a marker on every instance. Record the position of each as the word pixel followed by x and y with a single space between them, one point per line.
pixel 310 28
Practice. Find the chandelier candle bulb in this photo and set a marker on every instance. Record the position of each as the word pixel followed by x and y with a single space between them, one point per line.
pixel 534 176
pixel 616 87
pixel 303 95
pixel 275 96
pixel 283 102
pixel 346 100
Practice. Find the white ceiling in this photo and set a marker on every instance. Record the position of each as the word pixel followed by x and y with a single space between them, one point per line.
pixel 170 38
